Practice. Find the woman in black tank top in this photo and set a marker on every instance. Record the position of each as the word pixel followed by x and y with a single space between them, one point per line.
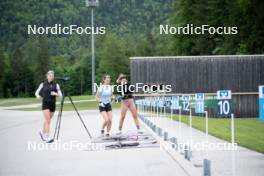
pixel 48 91
pixel 127 103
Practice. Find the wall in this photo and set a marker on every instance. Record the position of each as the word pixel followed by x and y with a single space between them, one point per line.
pixel 191 74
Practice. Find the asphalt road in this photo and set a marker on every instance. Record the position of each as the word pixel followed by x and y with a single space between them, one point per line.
pixel 19 130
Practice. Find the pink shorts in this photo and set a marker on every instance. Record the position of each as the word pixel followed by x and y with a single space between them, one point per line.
pixel 128 104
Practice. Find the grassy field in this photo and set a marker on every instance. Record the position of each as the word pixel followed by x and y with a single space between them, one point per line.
pixel 27 101
pixel 249 132
pixel 68 106
pixel 17 101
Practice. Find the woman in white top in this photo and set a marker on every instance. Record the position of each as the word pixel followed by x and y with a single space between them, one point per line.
pixel 103 96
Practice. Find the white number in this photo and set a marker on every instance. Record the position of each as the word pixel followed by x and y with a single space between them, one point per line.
pixel 186 105
pixel 224 107
pixel 200 105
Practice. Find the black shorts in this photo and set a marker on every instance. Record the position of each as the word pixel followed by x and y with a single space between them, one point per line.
pixel 49 105
pixel 107 108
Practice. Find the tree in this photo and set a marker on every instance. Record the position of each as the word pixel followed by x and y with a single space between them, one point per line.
pixel 2 72
pixel 42 61
pixel 21 77
pixel 114 58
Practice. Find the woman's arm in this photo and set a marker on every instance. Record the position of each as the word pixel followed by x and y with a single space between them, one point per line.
pixel 98 99
pixel 38 91
pixel 97 96
pixel 59 91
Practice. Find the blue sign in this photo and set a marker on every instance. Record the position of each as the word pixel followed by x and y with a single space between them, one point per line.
pixel 199 103
pixel 156 101
pixel 224 95
pixel 186 102
pixel 175 104
pixel 167 102
pixel 261 109
pixel 148 102
pixel 224 106
pixel 160 102
pixel 261 103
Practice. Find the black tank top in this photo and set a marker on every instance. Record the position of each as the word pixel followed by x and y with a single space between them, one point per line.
pixel 127 90
pixel 46 90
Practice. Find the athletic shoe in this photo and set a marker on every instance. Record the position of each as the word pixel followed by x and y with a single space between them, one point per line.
pixel 42 136
pixel 50 141
pixel 107 135
pixel 139 131
pixel 46 137
pixel 102 132
pixel 119 132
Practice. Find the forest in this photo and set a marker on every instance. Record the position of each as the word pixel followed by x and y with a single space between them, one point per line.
pixel 132 29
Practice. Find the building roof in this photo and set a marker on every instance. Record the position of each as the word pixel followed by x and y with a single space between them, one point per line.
pixel 192 57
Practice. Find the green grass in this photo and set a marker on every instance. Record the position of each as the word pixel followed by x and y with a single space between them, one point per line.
pixel 7 102
pixel 83 97
pixel 68 107
pixel 249 132
pixel 17 101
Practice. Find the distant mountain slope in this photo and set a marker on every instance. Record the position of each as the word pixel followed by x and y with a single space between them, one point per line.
pixel 118 16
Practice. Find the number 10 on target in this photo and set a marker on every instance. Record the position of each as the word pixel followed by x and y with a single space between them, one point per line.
pixel 224 105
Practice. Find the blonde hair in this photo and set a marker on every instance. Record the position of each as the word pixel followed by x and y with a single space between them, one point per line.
pixel 50 72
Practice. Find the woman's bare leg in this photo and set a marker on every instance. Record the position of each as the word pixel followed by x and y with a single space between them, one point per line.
pixel 134 113
pixel 46 126
pixel 105 117
pixel 47 118
pixel 109 124
pixel 51 115
pixel 123 115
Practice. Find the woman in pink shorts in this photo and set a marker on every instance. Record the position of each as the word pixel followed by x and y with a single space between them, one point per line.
pixel 127 102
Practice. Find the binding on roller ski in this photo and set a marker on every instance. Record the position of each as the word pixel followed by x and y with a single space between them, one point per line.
pixel 127 140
